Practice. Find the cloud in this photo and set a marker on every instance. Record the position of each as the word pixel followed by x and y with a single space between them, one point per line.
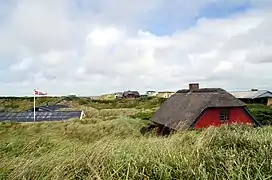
pixel 84 48
pixel 223 67
pixel 104 36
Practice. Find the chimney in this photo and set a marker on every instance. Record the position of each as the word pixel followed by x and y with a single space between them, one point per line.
pixel 193 86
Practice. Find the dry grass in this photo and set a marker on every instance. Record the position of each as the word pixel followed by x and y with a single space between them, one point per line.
pixel 116 150
pixel 108 144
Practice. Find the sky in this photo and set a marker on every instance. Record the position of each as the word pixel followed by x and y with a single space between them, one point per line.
pixel 93 47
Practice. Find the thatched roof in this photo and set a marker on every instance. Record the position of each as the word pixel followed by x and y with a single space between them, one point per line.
pixel 183 108
pixel 135 93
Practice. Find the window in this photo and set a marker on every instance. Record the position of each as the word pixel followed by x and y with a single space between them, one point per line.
pixel 224 115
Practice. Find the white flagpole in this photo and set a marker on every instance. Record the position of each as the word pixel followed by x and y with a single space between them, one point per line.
pixel 34 106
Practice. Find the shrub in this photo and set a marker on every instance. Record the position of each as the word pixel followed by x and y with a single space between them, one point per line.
pixel 83 102
pixel 146 115
pixel 262 113
pixel 71 98
pixel 11 106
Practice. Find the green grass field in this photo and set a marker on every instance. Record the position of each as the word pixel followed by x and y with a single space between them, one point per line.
pixel 108 144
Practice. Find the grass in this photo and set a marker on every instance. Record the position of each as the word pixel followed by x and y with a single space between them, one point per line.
pixel 117 150
pixel 22 104
pixel 25 103
pixel 108 144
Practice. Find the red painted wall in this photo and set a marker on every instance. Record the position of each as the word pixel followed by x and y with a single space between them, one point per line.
pixel 211 117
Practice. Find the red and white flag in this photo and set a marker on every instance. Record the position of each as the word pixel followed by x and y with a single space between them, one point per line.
pixel 39 92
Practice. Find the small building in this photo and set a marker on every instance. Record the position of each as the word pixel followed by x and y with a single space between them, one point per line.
pixel 131 94
pixel 254 96
pixel 118 95
pixel 165 94
pixel 151 93
pixel 196 108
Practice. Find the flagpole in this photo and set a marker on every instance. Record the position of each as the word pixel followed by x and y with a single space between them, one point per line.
pixel 34 106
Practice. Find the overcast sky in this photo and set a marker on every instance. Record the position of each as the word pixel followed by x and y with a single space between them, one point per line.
pixel 92 47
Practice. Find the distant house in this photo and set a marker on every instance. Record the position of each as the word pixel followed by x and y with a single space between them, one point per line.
pixel 118 95
pixel 254 96
pixel 131 94
pixel 196 108
pixel 151 93
pixel 165 94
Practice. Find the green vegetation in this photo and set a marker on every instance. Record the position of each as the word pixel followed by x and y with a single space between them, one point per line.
pixel 144 115
pixel 25 103
pixel 140 103
pixel 21 104
pixel 116 150
pixel 262 113
pixel 108 144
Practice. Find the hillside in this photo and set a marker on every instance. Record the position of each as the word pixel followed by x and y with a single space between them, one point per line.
pixel 143 108
pixel 108 144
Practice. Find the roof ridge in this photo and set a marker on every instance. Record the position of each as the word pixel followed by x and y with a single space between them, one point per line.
pixel 202 90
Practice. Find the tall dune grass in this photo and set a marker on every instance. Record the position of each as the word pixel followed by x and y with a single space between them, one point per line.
pixel 115 149
pixel 107 144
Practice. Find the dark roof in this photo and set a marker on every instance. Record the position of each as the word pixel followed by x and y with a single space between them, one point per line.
pixel 183 108
pixel 251 94
pixel 135 93
pixel 39 116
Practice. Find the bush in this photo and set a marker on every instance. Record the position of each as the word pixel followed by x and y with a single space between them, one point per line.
pixel 262 113
pixel 146 115
pixel 71 98
pixel 83 102
pixel 11 106
pixel 103 101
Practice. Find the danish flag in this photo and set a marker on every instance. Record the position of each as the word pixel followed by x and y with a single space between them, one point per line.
pixel 39 92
